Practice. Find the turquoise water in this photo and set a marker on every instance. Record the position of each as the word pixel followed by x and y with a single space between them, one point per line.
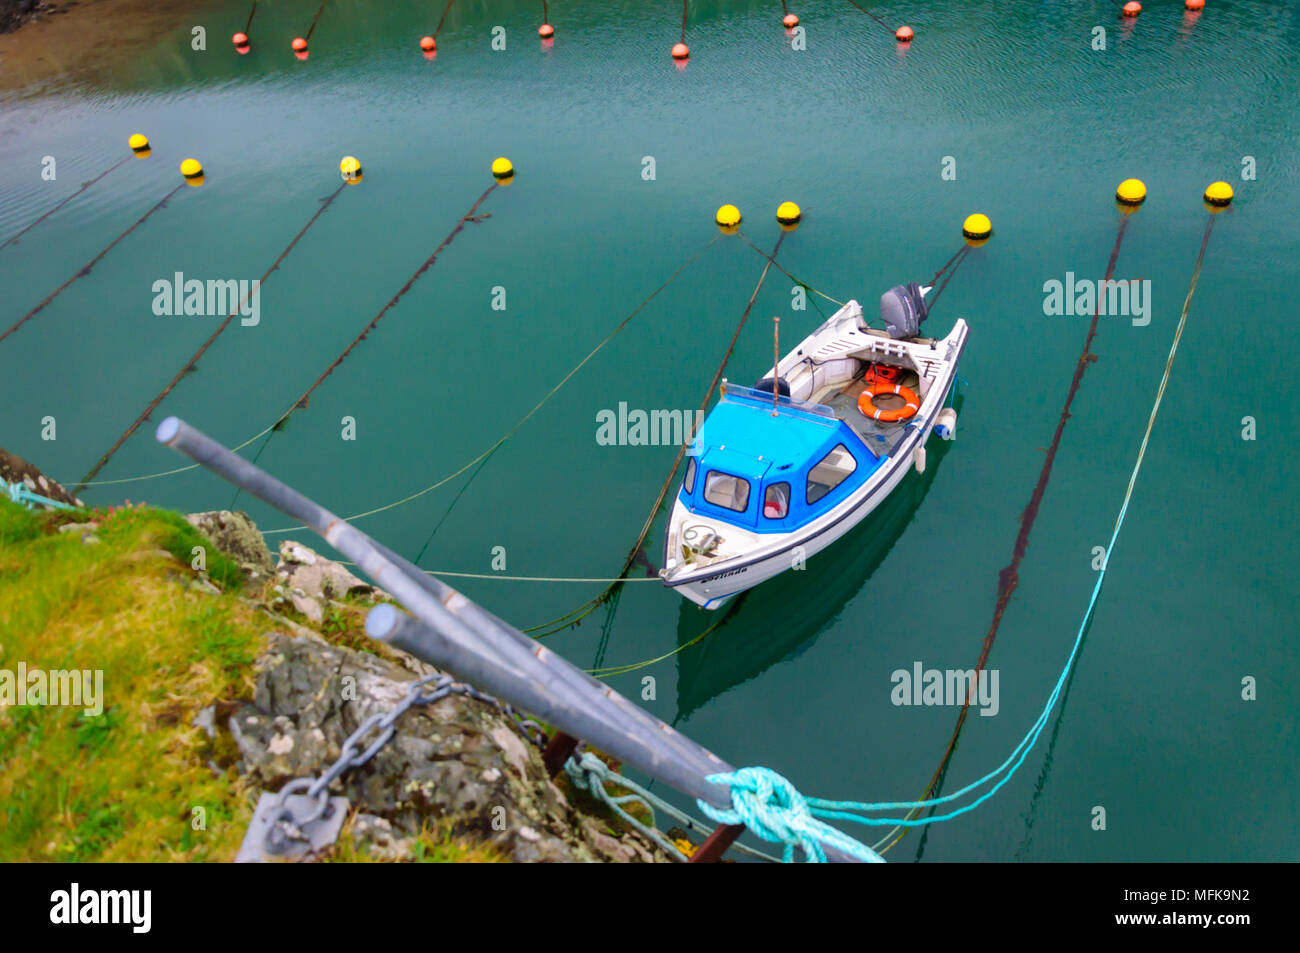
pixel 1201 588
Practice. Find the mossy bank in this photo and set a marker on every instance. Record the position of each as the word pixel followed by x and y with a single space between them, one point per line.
pixel 226 674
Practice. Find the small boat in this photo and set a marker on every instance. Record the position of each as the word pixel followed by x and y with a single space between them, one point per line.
pixel 779 471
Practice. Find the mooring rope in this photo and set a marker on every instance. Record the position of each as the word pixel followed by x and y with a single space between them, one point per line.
pixel 785 812
pixel 85 269
pixel 189 365
pixel 800 283
pixel 1009 577
pixel 249 25
pixel 955 261
pixel 526 417
pixel 302 401
pixel 84 185
pixel 685 12
pixel 578 614
pixel 645 663
pixel 314 20
pixel 442 19
pixel 872 15
pixel 500 575
pixel 450 506
pixel 588 773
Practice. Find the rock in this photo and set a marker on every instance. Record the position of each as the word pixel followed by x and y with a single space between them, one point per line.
pixel 78 528
pixel 308 607
pixel 234 534
pixel 457 761
pixel 376 836
pixel 311 582
pixel 207 721
pixel 14 469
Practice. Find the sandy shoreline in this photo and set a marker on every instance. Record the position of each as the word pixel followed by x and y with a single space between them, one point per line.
pixel 77 42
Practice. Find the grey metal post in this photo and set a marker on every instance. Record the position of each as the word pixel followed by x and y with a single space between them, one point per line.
pixel 455 634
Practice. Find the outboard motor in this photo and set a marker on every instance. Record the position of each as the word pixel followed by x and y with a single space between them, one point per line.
pixel 903 308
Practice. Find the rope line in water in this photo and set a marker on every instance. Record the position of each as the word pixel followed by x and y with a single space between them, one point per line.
pixel 442 19
pixel 301 402
pixel 1009 577
pixel 249 25
pixel 785 810
pixel 499 575
pixel 84 185
pixel 685 12
pixel 955 261
pixel 85 269
pixel 872 15
pixel 316 19
pixel 634 666
pixel 451 506
pixel 564 380
pixel 959 253
pixel 194 358
pixel 578 614
pixel 801 284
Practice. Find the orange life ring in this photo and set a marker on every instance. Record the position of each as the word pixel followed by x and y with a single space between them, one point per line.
pixel 866 402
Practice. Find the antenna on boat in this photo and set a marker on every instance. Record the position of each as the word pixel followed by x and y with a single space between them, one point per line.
pixel 776 361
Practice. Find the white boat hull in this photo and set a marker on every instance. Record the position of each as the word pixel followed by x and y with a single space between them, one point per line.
pixel 772 554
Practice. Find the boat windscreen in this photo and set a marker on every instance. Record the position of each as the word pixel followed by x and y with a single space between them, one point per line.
pixel 737 393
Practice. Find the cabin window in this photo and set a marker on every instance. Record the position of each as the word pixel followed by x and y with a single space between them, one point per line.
pixel 727 491
pixel 830 472
pixel 776 501
pixel 690 476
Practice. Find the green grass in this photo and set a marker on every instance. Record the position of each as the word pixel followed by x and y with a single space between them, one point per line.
pixel 128 784
pixel 120 786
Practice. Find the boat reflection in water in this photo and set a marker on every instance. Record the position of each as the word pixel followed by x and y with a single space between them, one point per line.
pixel 781 618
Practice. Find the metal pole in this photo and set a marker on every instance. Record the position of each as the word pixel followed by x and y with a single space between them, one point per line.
pixel 461 638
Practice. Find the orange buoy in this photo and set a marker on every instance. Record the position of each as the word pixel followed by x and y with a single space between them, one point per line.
pixel 904 34
pixel 791 21
pixel 299 44
pixel 681 51
pixel 546 31
pixel 240 39
pixel 1132 8
pixel 428 43
pixel 1194 4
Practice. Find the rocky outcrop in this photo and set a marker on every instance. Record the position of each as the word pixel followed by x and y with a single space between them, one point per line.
pixel 14 469
pixel 457 761
pixel 236 535
pixel 311 583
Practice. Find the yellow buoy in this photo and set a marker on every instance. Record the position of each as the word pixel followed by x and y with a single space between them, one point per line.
pixel 503 170
pixel 1131 192
pixel 139 144
pixel 788 214
pixel 728 219
pixel 977 228
pixel 1218 194
pixel 192 169
pixel 350 169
